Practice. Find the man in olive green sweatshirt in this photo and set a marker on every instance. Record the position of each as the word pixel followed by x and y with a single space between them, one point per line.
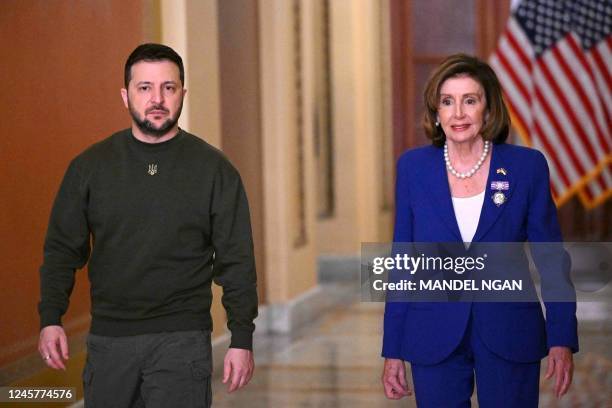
pixel 157 214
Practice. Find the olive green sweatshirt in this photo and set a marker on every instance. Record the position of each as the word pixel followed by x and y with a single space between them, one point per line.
pixel 156 223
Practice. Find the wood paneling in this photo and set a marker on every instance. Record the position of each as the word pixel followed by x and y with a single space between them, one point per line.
pixel 401 74
pixel 62 68
pixel 423 33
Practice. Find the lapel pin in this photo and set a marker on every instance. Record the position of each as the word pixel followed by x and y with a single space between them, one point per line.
pixel 501 170
pixel 499 197
pixel 500 185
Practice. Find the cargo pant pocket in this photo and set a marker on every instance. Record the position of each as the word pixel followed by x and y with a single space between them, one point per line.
pixel 200 376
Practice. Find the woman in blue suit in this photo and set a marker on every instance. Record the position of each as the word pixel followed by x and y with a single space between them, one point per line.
pixel 470 186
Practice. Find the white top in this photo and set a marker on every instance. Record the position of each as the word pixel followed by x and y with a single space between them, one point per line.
pixel 467 212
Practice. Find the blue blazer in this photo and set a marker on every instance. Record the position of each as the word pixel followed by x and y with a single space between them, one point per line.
pixel 427 333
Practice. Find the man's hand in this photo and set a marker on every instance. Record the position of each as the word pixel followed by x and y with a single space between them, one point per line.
pixel 53 346
pixel 560 363
pixel 238 368
pixel 394 379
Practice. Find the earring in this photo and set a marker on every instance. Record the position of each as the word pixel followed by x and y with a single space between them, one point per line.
pixel 437 122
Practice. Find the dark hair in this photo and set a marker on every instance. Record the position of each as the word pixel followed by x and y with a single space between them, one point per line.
pixel 152 52
pixel 498 120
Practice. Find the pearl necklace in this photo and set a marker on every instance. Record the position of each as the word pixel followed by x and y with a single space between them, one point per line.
pixel 471 171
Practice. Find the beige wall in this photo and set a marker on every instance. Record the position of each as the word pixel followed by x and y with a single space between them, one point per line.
pixel 285 108
pixel 360 134
pixel 291 268
pixel 191 28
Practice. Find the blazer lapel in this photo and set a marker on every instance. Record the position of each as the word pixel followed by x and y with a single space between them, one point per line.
pixel 440 194
pixel 500 182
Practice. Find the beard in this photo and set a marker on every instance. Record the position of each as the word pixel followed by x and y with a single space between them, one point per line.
pixel 147 127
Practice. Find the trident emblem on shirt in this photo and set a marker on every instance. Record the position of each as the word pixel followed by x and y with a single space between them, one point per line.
pixel 152 169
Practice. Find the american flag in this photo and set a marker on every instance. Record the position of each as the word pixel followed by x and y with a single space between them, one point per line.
pixel 554 61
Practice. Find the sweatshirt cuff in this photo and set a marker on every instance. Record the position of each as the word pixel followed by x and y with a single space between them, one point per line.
pixel 242 339
pixel 50 317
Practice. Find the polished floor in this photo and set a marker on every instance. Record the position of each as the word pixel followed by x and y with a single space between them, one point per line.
pixel 335 362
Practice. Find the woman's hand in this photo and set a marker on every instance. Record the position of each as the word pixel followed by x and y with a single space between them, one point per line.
pixel 394 379
pixel 560 363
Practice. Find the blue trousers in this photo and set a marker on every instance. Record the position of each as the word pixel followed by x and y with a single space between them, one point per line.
pixel 499 383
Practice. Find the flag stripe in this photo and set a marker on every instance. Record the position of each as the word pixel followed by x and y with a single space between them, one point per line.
pixel 594 195
pixel 544 85
pixel 556 181
pixel 593 189
pixel 522 70
pixel 590 102
pixel 544 133
pixel 603 90
pixel 554 190
pixel 598 67
pixel 607 176
pixel 519 105
pixel 602 65
pixel 553 158
pixel 515 79
pixel 519 43
pixel 556 90
pixel 522 123
pixel 573 100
